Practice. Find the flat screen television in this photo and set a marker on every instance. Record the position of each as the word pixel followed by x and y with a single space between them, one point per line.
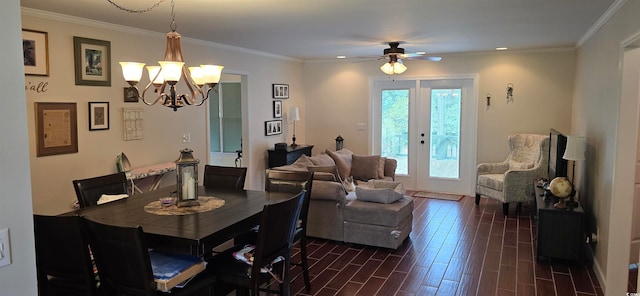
pixel 557 146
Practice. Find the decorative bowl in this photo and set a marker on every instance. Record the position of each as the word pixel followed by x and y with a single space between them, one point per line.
pixel 167 201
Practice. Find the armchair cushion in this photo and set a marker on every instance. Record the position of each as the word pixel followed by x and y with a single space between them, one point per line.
pixel 493 181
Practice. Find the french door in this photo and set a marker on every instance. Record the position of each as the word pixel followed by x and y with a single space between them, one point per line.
pixel 429 126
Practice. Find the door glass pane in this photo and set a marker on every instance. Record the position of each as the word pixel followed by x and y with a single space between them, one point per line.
pixel 395 127
pixel 445 133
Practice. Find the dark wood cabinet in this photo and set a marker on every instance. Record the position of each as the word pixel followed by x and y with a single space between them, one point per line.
pixel 560 233
pixel 280 157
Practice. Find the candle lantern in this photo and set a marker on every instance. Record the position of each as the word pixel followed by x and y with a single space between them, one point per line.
pixel 339 141
pixel 187 174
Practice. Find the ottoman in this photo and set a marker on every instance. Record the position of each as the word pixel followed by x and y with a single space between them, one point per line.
pixel 378 224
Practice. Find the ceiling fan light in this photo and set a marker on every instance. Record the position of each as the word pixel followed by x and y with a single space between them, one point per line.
pixel 132 71
pixel 399 68
pixel 387 68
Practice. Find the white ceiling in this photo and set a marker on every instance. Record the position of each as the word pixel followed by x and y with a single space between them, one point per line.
pixel 323 29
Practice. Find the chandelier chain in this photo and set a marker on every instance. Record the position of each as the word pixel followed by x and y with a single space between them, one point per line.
pixel 173 25
pixel 139 11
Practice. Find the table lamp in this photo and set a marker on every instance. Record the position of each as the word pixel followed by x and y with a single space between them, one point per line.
pixel 294 115
pixel 574 152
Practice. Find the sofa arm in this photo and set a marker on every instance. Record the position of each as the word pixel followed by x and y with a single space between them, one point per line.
pixel 390 166
pixel 328 190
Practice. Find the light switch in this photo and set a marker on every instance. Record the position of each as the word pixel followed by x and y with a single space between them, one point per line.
pixel 5 247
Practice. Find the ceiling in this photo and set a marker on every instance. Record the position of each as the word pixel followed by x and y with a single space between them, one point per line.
pixel 323 29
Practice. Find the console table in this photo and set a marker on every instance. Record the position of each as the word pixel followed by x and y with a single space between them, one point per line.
pixel 280 157
pixel 560 232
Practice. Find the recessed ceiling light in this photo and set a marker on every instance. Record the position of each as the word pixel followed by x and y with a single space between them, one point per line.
pixel 341 57
pixel 502 48
pixel 420 52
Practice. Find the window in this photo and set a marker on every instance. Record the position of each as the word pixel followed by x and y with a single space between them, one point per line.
pixel 394 138
pixel 226 118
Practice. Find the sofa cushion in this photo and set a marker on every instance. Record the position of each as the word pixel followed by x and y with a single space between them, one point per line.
pixel 321 172
pixel 379 214
pixel 342 159
pixel 322 160
pixel 365 167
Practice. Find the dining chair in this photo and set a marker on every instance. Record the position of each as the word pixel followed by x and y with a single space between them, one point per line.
pixel 63 260
pixel 224 177
pixel 123 261
pixel 272 249
pixel 294 182
pixel 89 191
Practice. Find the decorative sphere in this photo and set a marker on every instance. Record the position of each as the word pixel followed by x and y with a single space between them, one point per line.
pixel 560 187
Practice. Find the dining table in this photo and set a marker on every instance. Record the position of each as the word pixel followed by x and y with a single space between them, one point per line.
pixel 194 233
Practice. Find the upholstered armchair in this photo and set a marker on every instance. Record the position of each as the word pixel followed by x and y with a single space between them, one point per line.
pixel 512 179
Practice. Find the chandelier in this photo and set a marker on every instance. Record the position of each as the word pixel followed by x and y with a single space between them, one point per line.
pixel 393 66
pixel 199 80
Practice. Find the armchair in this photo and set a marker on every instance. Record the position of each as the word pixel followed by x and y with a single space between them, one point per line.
pixel 511 180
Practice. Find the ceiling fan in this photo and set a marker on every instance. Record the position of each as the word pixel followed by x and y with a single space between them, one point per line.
pixel 395 54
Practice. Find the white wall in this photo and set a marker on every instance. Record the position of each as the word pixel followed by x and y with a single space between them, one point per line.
pixel 609 122
pixel 19 278
pixel 338 94
pixel 163 128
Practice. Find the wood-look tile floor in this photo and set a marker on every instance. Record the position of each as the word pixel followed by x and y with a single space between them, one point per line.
pixel 455 248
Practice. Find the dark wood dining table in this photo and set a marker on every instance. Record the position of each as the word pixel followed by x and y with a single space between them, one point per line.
pixel 196 233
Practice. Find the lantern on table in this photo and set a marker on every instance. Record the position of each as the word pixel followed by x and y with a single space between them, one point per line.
pixel 187 174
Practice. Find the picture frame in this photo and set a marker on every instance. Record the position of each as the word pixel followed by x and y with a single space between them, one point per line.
pixel 280 91
pixel 35 52
pixel 56 128
pixel 273 127
pixel 130 94
pixel 98 116
pixel 92 61
pixel 277 109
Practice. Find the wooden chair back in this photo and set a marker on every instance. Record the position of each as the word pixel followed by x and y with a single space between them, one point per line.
pixel 88 191
pixel 224 177
pixel 63 261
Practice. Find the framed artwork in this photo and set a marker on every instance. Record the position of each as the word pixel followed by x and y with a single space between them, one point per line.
pixel 35 52
pixel 92 61
pixel 277 109
pixel 130 94
pixel 280 91
pixel 56 128
pixel 98 116
pixel 273 127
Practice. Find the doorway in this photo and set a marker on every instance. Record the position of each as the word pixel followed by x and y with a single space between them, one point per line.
pixel 429 126
pixel 225 122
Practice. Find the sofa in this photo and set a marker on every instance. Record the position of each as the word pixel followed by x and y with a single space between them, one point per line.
pixel 335 213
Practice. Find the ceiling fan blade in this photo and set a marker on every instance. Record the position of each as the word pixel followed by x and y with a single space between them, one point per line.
pixel 422 57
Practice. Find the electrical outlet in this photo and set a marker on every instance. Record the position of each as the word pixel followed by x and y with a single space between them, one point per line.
pixel 186 138
pixel 5 247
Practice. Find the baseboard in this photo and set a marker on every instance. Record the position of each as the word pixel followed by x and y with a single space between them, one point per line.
pixel 598 271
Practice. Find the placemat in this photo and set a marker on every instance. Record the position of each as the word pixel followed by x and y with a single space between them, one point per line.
pixel 207 203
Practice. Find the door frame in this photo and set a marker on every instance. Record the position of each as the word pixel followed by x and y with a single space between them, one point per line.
pixel 410 180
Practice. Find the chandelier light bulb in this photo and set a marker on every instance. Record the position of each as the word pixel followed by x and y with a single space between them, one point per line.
pixel 171 70
pixel 131 71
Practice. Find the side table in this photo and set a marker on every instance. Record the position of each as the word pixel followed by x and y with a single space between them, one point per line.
pixel 280 157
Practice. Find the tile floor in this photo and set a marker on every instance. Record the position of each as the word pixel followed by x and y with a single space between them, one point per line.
pixel 455 248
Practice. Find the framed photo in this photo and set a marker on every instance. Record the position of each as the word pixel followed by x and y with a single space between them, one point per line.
pixel 92 59
pixel 98 116
pixel 280 91
pixel 35 52
pixel 56 128
pixel 130 94
pixel 273 127
pixel 277 109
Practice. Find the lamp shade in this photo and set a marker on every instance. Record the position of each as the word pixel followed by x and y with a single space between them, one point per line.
pixel 575 148
pixel 171 70
pixel 155 75
pixel 387 68
pixel 132 71
pixel 294 114
pixel 211 73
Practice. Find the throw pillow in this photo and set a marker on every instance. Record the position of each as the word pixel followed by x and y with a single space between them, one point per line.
pixel 365 167
pixel 379 195
pixel 342 159
pixel 381 163
pixel 322 160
